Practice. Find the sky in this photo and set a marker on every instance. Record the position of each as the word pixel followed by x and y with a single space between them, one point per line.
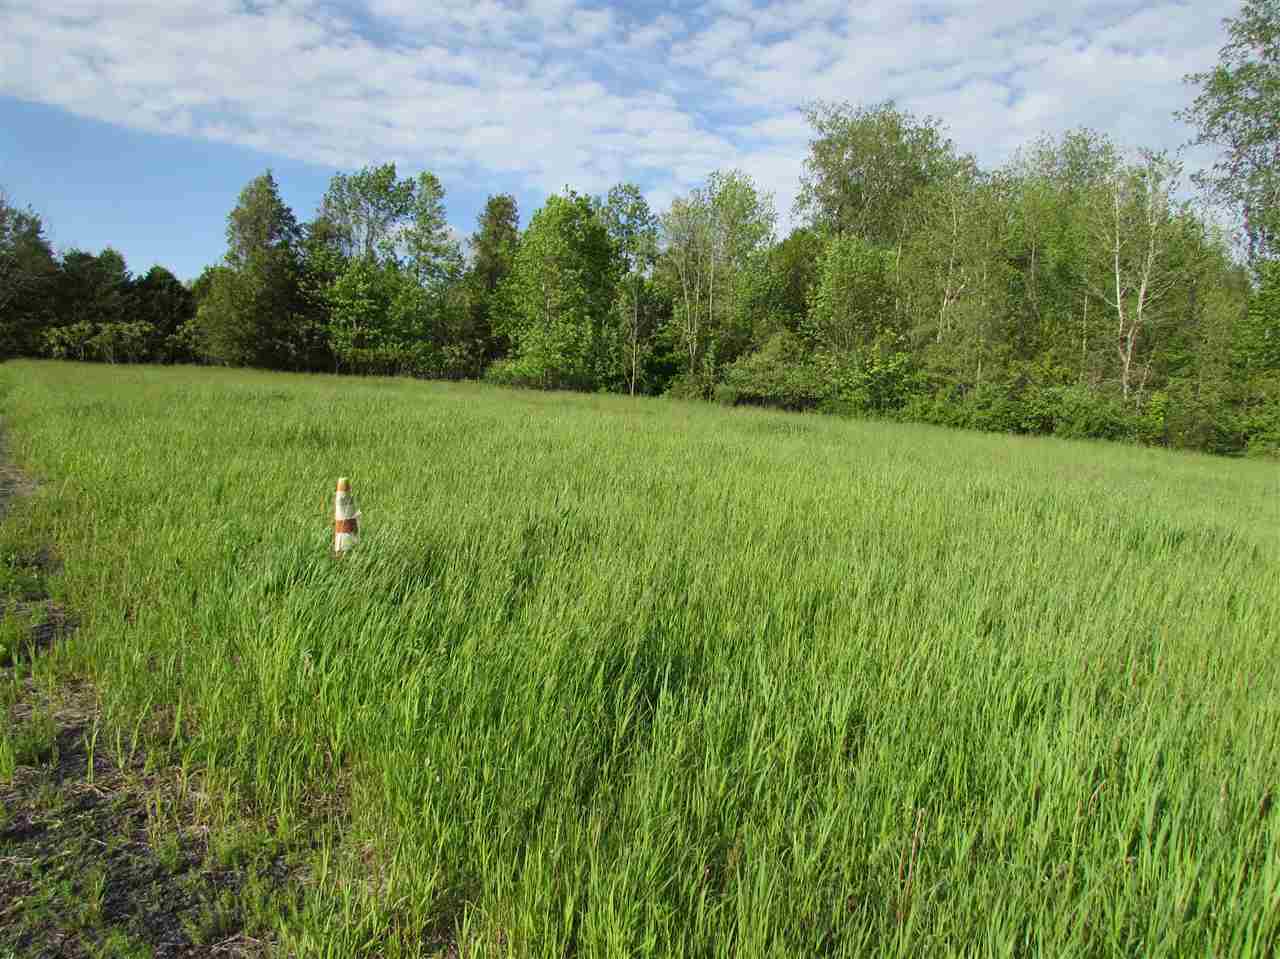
pixel 136 124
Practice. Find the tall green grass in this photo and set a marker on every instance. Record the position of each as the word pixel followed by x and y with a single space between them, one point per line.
pixel 611 678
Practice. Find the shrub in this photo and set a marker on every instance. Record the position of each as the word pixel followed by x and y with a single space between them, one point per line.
pixel 690 386
pixel 725 395
pixel 878 379
pixel 1081 413
pixel 1259 419
pixel 779 374
pixel 514 371
pixel 993 408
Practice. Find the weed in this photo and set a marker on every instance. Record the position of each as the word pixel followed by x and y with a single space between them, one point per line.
pixel 215 919
pixel 30 742
pixel 118 944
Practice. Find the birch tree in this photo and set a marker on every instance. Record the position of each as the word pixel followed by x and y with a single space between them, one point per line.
pixel 686 231
pixel 941 261
pixel 864 164
pixel 710 237
pixel 634 230
pixel 1134 220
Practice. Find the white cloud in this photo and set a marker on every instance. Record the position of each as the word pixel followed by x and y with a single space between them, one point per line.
pixel 564 91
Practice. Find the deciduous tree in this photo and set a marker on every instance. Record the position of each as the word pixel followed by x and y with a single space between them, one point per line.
pixel 368 209
pixel 710 237
pixel 634 230
pixel 864 165
pixel 1238 111
pixel 1135 219
pixel 559 294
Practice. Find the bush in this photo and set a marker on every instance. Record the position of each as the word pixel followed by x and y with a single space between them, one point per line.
pixel 725 395
pixel 1070 412
pixel 779 374
pixel 992 408
pixel 940 407
pixel 878 380
pixel 513 371
pixel 690 386
pixel 1077 412
pixel 1259 418
pixel 103 342
pixel 69 342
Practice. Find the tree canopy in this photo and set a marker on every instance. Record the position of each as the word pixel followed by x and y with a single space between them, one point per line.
pixel 1238 111
pixel 1073 290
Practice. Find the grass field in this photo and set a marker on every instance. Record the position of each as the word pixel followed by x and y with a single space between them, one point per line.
pixel 612 678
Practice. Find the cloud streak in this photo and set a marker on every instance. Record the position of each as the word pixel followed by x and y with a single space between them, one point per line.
pixel 560 91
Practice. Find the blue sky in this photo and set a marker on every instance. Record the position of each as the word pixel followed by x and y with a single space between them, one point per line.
pixel 136 123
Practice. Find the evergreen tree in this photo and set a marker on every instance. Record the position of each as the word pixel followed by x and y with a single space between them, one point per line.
pixel 28 272
pixel 254 314
pixel 493 250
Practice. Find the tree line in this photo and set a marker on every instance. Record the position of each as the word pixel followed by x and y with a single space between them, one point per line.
pixel 1074 291
pixel 84 306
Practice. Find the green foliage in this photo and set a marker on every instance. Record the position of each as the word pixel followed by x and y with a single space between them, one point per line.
pixel 1236 110
pixel 852 303
pixel 27 272
pixel 633 228
pixel 323 255
pixel 878 378
pixel 102 313
pixel 255 310
pixel 368 210
pixel 864 166
pixel 225 327
pixel 1179 417
pixel 793 269
pixel 494 243
pixel 164 307
pixel 780 374
pixel 431 252
pixel 526 372
pixel 106 342
pixel 1257 417
pixel 255 318
pixel 713 236
pixel 261 228
pixel 1072 292
pixel 93 289
pixel 1259 346
pixel 493 250
pixel 382 269
pixel 361 302
pixel 696 385
pixel 69 342
pixel 559 297
pixel 375 216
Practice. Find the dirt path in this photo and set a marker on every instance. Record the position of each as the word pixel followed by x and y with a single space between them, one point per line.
pixel 98 857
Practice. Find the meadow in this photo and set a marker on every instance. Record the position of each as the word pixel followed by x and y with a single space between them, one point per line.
pixel 614 677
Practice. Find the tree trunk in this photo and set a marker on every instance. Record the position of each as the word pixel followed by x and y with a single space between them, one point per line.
pixel 635 340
